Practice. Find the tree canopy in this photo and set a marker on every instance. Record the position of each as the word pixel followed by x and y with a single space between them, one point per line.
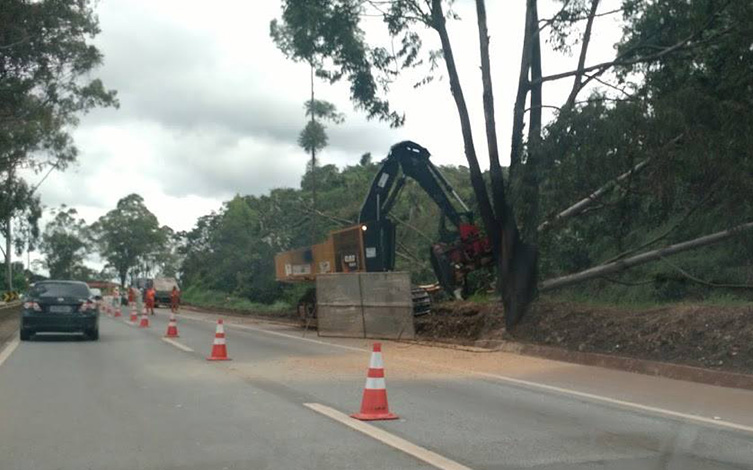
pixel 128 235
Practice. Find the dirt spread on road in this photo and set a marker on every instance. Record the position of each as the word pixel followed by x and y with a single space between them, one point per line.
pixel 706 336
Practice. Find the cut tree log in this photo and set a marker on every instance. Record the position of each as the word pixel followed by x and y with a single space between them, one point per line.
pixel 621 265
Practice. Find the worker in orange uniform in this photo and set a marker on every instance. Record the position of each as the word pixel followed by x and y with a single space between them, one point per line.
pixel 150 295
pixel 174 300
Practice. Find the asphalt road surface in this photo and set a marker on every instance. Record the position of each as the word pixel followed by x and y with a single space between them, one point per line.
pixel 134 401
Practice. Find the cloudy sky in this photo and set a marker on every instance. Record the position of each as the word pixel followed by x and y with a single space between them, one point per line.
pixel 210 108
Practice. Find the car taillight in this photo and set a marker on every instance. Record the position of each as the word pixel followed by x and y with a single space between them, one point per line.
pixel 87 306
pixel 32 306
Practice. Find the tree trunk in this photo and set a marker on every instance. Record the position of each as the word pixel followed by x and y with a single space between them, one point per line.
pixel 313 164
pixel 477 179
pixel 623 264
pixel 516 260
pixel 501 207
pixel 8 260
pixel 518 114
pixel 9 235
pixel 577 83
pixel 531 178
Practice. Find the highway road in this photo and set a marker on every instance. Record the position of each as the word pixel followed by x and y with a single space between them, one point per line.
pixel 135 401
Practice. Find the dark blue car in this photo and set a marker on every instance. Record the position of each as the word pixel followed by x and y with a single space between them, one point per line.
pixel 59 306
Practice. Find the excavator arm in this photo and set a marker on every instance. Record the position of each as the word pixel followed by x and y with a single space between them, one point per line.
pixel 464 250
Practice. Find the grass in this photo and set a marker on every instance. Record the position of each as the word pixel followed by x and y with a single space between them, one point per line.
pixel 216 299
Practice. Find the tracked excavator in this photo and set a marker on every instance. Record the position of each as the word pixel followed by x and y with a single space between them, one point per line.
pixel 369 246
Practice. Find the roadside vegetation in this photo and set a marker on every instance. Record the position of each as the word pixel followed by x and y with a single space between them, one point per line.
pixel 649 150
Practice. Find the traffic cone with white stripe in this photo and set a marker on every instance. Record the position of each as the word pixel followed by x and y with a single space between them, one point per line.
pixel 374 404
pixel 219 348
pixel 172 327
pixel 117 312
pixel 134 315
pixel 144 319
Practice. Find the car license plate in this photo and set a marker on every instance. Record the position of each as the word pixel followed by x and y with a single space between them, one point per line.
pixel 60 309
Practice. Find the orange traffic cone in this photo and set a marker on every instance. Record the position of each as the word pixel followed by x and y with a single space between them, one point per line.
pixel 172 327
pixel 118 312
pixel 219 348
pixel 144 320
pixel 134 315
pixel 374 404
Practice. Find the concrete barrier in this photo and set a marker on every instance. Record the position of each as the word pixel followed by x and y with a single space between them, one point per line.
pixel 365 305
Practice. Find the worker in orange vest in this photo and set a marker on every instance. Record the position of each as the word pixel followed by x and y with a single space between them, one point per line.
pixel 131 296
pixel 150 295
pixel 174 299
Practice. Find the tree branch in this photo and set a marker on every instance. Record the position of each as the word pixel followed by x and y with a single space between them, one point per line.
pixel 701 281
pixel 609 268
pixel 577 85
pixel 619 62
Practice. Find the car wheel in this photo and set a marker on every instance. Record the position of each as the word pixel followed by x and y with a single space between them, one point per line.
pixel 93 334
pixel 25 334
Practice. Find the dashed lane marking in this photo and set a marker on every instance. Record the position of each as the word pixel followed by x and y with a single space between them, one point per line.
pixel 178 345
pixel 425 455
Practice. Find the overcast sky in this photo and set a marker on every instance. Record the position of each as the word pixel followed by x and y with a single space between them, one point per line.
pixel 210 108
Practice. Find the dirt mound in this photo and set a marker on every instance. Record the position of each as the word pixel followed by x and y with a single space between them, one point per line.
pixel 461 322
pixel 697 335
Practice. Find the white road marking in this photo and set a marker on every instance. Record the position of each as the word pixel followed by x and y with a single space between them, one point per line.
pixel 177 344
pixel 8 350
pixel 285 335
pixel 526 383
pixel 425 455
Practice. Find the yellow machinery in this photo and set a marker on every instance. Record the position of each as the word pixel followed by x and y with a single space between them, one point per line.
pixel 342 252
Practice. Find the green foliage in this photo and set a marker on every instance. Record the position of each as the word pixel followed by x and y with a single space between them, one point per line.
pixel 323 110
pixel 64 245
pixel 128 235
pixel 209 298
pixel 45 81
pixel 313 138
pixel 233 251
pixel 230 252
pixel 326 34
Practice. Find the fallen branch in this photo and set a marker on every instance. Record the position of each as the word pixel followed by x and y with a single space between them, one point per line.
pixel 701 281
pixel 621 265
pixel 579 206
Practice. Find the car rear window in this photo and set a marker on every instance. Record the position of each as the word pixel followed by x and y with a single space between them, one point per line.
pixel 59 289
